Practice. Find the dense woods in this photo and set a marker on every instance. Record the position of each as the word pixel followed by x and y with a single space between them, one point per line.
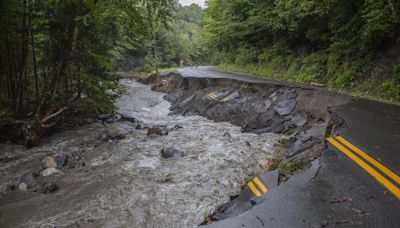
pixel 57 56
pixel 353 45
pixel 180 39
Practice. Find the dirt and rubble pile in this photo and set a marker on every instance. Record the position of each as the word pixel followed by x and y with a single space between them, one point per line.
pixel 301 113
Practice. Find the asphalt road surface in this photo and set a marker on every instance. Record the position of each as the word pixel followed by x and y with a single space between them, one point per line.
pixel 355 183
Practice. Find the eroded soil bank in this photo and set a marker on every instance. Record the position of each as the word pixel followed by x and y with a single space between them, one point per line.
pixel 126 182
pixel 303 114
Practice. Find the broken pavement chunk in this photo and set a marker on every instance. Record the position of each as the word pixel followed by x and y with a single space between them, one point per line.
pixel 285 107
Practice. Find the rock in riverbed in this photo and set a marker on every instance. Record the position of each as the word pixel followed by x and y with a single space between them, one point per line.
pixel 111 134
pixel 22 187
pixel 158 130
pixel 227 134
pixel 29 179
pixel 48 188
pixel 171 153
pixel 50 171
pixel 49 162
pixel 61 160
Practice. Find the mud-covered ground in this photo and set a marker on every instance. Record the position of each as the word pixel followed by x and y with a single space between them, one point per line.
pixel 127 183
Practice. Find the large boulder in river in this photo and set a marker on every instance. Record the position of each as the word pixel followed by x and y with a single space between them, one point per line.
pixel 29 178
pixel 171 153
pixel 49 162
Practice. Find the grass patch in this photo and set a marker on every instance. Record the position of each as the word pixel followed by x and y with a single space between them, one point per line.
pixel 341 80
pixel 289 168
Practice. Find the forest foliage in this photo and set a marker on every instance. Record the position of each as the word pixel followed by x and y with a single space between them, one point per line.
pixel 181 39
pixel 57 58
pixel 353 45
pixel 60 53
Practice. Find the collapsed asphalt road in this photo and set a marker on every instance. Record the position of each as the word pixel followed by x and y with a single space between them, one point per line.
pixel 341 191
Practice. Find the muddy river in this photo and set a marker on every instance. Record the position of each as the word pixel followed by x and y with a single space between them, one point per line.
pixel 127 183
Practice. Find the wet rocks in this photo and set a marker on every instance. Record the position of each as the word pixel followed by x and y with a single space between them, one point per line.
pixel 171 152
pixel 103 117
pixel 308 139
pixel 61 160
pixel 162 130
pixel 152 131
pixel 287 95
pixel 157 130
pixel 48 188
pixel 187 100
pixel 111 134
pixel 176 127
pixel 141 126
pixel 109 118
pixel 23 187
pixel 268 103
pixel 299 119
pixel 266 122
pixel 128 117
pixel 285 107
pixel 169 98
pixel 273 96
pixel 82 166
pixel 49 162
pixel 50 171
pixel 29 178
pixel 232 96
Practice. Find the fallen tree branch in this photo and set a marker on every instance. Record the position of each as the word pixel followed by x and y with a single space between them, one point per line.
pixel 44 120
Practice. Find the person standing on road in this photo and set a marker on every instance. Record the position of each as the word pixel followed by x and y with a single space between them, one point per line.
pixel 197 64
pixel 181 62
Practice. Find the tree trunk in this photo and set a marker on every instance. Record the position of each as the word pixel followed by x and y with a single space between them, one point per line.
pixel 34 66
pixel 21 84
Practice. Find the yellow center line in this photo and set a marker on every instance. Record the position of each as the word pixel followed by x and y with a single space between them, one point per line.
pixel 395 190
pixel 371 160
pixel 254 189
pixel 260 184
pixel 212 95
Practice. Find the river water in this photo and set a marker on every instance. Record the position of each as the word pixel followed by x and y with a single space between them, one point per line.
pixel 127 183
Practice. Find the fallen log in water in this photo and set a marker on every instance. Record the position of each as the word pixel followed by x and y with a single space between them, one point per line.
pixel 28 132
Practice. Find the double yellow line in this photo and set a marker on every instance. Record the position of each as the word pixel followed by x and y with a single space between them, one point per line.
pixel 215 97
pixel 260 185
pixel 361 158
pixel 212 96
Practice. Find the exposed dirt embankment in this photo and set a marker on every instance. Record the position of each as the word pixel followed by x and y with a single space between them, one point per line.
pixel 302 114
